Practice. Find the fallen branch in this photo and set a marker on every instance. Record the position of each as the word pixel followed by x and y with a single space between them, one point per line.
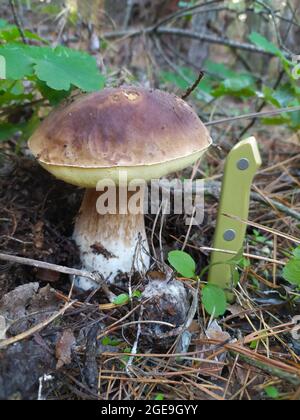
pixel 233 253
pixel 254 115
pixel 276 368
pixel 266 366
pixel 213 188
pixel 95 277
pixel 163 30
pixel 186 11
pixel 47 266
pixel 274 232
pixel 212 39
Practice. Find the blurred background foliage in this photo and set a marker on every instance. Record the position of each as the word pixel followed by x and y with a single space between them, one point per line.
pixel 247 49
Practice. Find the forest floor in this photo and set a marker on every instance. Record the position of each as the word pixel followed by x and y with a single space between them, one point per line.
pixel 37 215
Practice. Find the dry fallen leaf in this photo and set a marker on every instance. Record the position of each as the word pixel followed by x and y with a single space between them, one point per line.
pixel 64 348
pixel 214 332
pixel 236 310
pixel 13 305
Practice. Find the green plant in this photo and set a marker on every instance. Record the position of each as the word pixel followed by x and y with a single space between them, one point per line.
pixel 214 300
pixel 38 77
pixel 291 272
pixel 272 392
pixel 107 341
pixel 221 81
pixel 213 297
pixel 261 239
pixel 183 263
pixel 124 298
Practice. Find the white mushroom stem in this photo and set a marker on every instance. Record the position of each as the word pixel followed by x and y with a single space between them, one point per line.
pixel 110 244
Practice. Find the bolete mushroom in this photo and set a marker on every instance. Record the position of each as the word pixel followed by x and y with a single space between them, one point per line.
pixel 143 133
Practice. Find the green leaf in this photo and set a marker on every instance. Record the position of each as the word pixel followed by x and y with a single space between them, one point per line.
pixel 291 271
pixel 121 299
pixel 253 344
pixel 294 119
pixel 296 252
pixel 12 34
pixel 268 46
pixel 59 68
pixel 238 259
pixel 219 70
pixel 26 128
pixel 183 263
pixel 14 87
pixel 136 294
pixel 262 42
pixel 275 120
pixel 4 24
pixel 174 79
pixel 159 397
pixel 7 131
pixel 54 96
pixel 240 86
pixel 19 63
pixel 282 97
pixel 245 263
pixel 107 341
pixel 30 126
pixel 35 37
pixel 214 300
pixel 126 358
pixel 272 392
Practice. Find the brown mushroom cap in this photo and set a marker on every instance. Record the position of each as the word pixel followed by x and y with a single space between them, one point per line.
pixel 126 128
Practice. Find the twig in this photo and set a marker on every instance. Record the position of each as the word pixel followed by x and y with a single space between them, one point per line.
pixel 17 20
pixel 187 34
pixel 47 266
pixel 128 324
pixel 279 206
pixel 264 228
pixel 128 13
pixel 35 329
pixel 14 108
pixel 213 188
pixel 254 115
pixel 250 256
pixel 168 61
pixel 233 253
pixel 191 89
pixel 273 367
pixel 266 366
pixel 271 13
pixel 212 39
pixel 135 345
pixel 263 104
pixel 95 277
pixel 187 10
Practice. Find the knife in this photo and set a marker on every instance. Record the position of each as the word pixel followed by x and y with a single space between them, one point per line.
pixel 242 164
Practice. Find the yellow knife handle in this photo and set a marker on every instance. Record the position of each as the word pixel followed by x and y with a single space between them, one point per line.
pixel 242 164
